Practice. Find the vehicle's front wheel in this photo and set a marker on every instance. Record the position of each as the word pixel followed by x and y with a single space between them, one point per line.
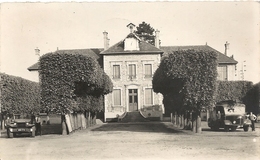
pixel 226 128
pixel 233 128
pixel 246 128
pixel 214 128
pixel 10 135
pixel 33 134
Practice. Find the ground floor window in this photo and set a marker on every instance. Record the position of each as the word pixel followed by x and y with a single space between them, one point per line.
pixel 117 97
pixel 148 96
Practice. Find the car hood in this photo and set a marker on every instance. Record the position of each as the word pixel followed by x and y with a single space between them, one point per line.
pixel 21 120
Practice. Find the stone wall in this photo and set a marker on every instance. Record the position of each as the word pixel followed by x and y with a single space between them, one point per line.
pixel 124 82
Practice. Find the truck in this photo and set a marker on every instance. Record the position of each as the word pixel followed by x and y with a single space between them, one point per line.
pixel 229 115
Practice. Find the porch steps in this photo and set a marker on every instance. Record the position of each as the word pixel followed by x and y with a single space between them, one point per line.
pixel 134 117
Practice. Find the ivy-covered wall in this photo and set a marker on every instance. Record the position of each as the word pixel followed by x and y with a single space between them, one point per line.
pixel 19 95
pixel 72 82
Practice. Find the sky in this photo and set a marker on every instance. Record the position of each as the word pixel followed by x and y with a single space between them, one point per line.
pixel 48 26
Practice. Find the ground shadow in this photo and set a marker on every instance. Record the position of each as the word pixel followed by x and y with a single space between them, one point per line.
pixel 156 127
pixel 51 129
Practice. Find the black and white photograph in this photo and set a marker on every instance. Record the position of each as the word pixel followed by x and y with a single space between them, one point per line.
pixel 123 80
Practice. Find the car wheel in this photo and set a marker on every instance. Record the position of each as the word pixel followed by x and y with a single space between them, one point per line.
pixel 33 134
pixel 226 128
pixel 214 128
pixel 233 128
pixel 10 135
pixel 246 128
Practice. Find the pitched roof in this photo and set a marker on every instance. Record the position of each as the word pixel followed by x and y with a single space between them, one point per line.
pixel 93 52
pixel 222 58
pixel 144 47
pixel 34 67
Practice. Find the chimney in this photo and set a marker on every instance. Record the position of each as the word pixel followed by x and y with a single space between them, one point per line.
pixel 106 40
pixel 157 40
pixel 37 51
pixel 226 47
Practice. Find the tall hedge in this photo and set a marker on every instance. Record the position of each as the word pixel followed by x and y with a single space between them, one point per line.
pixel 19 95
pixel 252 99
pixel 73 82
pixel 188 75
pixel 232 90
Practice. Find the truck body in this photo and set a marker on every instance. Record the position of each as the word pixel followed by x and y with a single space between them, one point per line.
pixel 228 116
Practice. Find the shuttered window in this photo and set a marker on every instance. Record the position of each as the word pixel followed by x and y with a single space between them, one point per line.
pixel 147 70
pixel 222 73
pixel 117 97
pixel 116 71
pixel 148 96
pixel 132 71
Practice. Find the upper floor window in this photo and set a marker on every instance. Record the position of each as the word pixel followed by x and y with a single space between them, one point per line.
pixel 132 71
pixel 222 73
pixel 116 71
pixel 131 44
pixel 148 70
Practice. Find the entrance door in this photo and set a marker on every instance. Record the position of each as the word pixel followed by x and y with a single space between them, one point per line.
pixel 133 99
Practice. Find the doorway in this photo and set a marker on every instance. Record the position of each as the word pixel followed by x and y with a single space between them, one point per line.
pixel 133 100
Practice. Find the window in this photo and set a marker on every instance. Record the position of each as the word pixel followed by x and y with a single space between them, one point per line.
pixel 222 73
pixel 131 44
pixel 132 71
pixel 147 70
pixel 148 96
pixel 116 71
pixel 117 97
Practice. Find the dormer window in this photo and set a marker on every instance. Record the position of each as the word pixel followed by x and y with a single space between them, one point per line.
pixel 131 44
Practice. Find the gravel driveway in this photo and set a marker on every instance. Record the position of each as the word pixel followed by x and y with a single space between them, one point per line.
pixel 149 140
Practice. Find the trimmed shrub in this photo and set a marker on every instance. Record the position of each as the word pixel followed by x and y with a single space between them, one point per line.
pixel 252 99
pixel 188 77
pixel 19 95
pixel 232 90
pixel 73 82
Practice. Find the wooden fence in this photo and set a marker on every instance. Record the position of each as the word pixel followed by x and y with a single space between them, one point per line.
pixel 78 121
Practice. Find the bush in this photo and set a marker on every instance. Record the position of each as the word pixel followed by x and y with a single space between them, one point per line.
pixel 19 95
pixel 73 82
pixel 232 90
pixel 252 99
pixel 190 76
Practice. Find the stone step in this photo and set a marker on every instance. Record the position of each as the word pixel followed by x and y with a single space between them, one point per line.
pixel 134 117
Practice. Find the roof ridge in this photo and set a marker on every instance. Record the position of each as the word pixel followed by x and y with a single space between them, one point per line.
pixel 78 49
pixel 137 37
pixel 185 45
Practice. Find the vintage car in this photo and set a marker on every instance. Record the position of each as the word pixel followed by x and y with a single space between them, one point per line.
pixel 17 126
pixel 228 115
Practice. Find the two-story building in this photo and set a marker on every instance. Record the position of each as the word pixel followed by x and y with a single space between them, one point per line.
pixel 131 64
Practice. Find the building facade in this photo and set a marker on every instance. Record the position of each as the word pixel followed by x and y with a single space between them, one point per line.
pixel 131 64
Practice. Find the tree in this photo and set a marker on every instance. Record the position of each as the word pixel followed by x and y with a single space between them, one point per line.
pixel 146 32
pixel 72 82
pixel 187 80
